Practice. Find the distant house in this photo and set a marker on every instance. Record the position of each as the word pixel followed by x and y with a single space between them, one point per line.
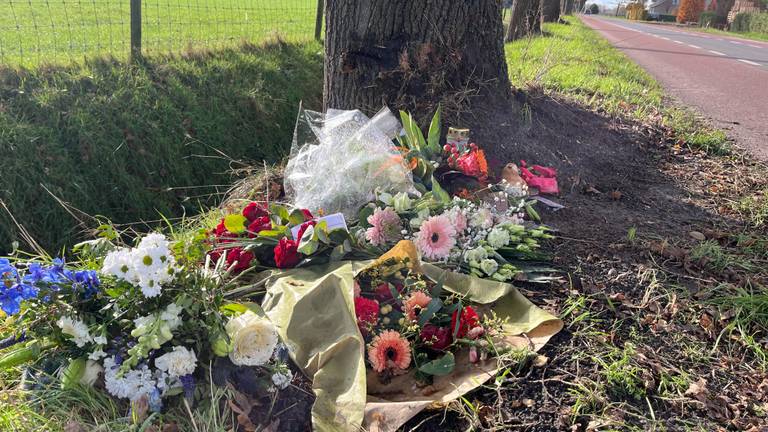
pixel 663 7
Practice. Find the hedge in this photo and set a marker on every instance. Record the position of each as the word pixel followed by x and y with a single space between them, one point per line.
pixel 754 22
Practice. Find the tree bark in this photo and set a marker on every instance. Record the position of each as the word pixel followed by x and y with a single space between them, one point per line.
pixel 525 19
pixel 412 54
pixel 550 10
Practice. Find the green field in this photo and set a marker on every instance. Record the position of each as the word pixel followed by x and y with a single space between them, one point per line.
pixel 40 31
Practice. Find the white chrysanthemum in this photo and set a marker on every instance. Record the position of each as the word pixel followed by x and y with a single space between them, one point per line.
pixel 75 328
pixel 154 241
pixel 489 266
pixel 253 339
pixel 91 373
pixel 119 263
pixel 132 385
pixel 281 380
pixel 498 238
pixel 178 362
pixel 148 266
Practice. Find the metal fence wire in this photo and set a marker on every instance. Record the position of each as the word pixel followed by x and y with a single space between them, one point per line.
pixel 34 31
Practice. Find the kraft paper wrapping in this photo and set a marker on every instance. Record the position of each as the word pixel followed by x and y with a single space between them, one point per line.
pixel 313 310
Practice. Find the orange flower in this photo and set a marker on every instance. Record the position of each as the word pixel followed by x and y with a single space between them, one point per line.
pixel 389 350
pixel 415 303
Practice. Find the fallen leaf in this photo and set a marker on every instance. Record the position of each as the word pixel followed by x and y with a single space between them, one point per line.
pixel 540 361
pixel 698 389
pixel 615 195
pixel 697 235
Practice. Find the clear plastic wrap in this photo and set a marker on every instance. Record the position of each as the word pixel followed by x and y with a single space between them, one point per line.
pixel 340 158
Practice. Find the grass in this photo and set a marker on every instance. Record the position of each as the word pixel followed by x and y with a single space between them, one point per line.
pixel 574 60
pixel 746 35
pixel 38 31
pixel 133 141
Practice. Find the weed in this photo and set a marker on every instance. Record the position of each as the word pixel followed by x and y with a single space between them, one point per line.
pixel 711 255
pixel 589 398
pixel 754 209
pixel 623 378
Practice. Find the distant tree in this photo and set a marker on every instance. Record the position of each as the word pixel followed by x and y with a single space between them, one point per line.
pixel 594 9
pixel 690 11
pixel 525 19
pixel 723 7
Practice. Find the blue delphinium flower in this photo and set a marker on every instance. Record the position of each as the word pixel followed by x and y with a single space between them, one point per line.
pixel 155 401
pixel 88 281
pixel 7 270
pixel 10 300
pixel 188 383
pixel 27 291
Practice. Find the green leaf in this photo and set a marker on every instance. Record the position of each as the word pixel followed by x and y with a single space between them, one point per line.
pixel 296 217
pixel 363 216
pixel 337 253
pixel 70 377
pixel 235 223
pixel 280 214
pixel 439 193
pixel 321 232
pixel 308 244
pixel 441 366
pixel 435 305
pixel 438 288
pixel 433 137
pixel 233 308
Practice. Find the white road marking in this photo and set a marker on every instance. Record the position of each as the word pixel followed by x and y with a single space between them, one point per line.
pixel 678 42
pixel 716 52
pixel 694 46
pixel 749 62
pixel 754 46
pixel 665 38
pixel 737 43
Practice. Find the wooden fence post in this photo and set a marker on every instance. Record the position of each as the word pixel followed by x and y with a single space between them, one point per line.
pixel 136 29
pixel 319 19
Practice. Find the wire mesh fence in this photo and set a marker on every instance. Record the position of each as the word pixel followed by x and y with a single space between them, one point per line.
pixel 34 31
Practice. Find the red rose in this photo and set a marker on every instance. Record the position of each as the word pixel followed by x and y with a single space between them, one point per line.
pixel 303 228
pixel 367 312
pixel 469 320
pixel 436 338
pixel 242 257
pixel 307 214
pixel 258 225
pixel 286 253
pixel 254 211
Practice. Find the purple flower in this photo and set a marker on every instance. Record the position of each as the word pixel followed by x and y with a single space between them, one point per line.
pixel 188 382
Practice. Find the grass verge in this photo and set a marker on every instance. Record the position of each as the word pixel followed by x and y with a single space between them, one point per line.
pixel 574 60
pixel 133 141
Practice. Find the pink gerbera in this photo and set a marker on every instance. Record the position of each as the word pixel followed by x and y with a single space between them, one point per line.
pixel 389 350
pixel 385 227
pixel 417 301
pixel 436 238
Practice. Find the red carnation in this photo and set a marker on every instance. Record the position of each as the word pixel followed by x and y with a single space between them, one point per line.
pixel 286 253
pixel 221 230
pixel 254 211
pixel 437 338
pixel 242 257
pixel 367 312
pixel 384 294
pixel 258 225
pixel 469 320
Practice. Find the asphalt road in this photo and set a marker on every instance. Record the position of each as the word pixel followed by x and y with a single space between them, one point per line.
pixel 724 78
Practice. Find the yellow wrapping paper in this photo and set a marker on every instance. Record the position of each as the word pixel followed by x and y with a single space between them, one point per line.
pixel 313 310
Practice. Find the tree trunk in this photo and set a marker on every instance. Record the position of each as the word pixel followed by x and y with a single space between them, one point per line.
pixel 524 19
pixel 566 7
pixel 550 10
pixel 412 54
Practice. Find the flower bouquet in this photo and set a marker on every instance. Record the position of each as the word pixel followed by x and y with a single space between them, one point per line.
pixel 141 323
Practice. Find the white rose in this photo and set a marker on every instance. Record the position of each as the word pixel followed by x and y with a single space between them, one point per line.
pixel 253 339
pixel 177 363
pixel 91 373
